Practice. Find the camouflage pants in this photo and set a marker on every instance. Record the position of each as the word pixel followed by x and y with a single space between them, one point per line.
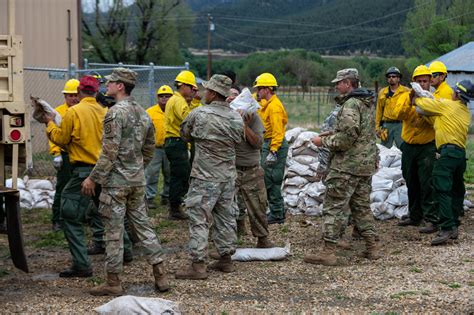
pixel 115 204
pixel 211 203
pixel 252 195
pixel 345 189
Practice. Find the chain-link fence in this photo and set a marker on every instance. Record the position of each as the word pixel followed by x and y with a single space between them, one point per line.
pixel 47 83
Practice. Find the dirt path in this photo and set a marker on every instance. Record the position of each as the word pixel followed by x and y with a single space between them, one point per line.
pixel 412 276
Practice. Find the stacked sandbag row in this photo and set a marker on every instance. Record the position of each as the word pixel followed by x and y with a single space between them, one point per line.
pixel 389 196
pixel 34 193
pixel 301 192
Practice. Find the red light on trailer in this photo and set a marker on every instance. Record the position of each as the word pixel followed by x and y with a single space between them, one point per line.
pixel 15 135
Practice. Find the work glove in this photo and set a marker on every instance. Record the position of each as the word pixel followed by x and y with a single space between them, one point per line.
pixel 271 159
pixel 58 162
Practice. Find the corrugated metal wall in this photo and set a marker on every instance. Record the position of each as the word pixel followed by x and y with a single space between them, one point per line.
pixel 44 27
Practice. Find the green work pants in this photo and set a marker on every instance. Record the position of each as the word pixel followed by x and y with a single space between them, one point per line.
pixel 180 169
pixel 394 134
pixel 74 207
pixel 274 178
pixel 62 177
pixel 448 183
pixel 417 167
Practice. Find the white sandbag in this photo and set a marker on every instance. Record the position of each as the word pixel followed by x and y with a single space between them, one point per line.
pixel 245 101
pixel 468 203
pixel 314 166
pixel 292 134
pixel 51 193
pixel 43 184
pixel 419 91
pixel 398 197
pixel 305 159
pixel 292 190
pixel 300 169
pixel 128 304
pixel 250 254
pixel 19 182
pixel 296 181
pixel 43 204
pixel 293 211
pixel 382 211
pixel 399 182
pixel 379 195
pixel 39 195
pixel 305 150
pixel 26 199
pixel 41 107
pixel 379 183
pixel 315 190
pixel 389 173
pixel 387 156
pixel 314 210
pixel 291 200
pixel 401 211
pixel 303 138
pixel 311 202
pixel 397 163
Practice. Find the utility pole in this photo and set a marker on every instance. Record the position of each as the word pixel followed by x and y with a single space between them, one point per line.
pixel 211 28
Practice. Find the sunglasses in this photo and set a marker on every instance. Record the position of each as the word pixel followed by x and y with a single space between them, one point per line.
pixel 436 74
pixel 392 76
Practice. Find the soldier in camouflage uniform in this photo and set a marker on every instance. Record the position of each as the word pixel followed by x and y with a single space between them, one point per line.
pixel 351 169
pixel 127 147
pixel 215 129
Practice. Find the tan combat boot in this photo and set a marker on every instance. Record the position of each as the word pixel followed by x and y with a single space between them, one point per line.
pixel 343 244
pixel 112 287
pixel 326 257
pixel 264 242
pixel 214 254
pixel 241 228
pixel 161 279
pixel 196 271
pixel 224 264
pixel 372 250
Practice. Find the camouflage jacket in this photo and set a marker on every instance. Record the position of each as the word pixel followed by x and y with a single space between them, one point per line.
pixel 324 155
pixel 215 129
pixel 353 141
pixel 128 145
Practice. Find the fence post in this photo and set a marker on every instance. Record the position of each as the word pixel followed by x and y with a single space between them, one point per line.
pixel 186 65
pixel 319 109
pixel 71 71
pixel 86 63
pixel 151 83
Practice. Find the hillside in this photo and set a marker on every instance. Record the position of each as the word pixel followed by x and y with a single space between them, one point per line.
pixel 325 26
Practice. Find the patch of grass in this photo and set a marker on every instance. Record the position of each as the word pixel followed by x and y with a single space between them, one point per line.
pixel 340 297
pixel 50 239
pixel 471 283
pixel 402 294
pixel 165 224
pixel 415 269
pixel 454 285
pixel 471 270
pixel 239 242
pixel 285 229
pixel 96 281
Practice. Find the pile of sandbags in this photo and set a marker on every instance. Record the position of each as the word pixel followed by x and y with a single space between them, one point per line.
pixel 304 195
pixel 34 193
pixel 389 196
pixel 301 192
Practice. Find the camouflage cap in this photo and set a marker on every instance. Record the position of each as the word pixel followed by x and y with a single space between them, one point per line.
pixel 122 75
pixel 349 73
pixel 219 83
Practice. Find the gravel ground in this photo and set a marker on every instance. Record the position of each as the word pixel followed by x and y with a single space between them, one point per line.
pixel 411 277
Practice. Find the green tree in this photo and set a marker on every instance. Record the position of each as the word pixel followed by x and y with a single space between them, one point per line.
pixel 145 31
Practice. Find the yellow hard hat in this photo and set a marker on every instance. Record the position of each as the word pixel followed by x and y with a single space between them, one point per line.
pixel 265 79
pixel 438 66
pixel 421 70
pixel 71 86
pixel 164 89
pixel 186 77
